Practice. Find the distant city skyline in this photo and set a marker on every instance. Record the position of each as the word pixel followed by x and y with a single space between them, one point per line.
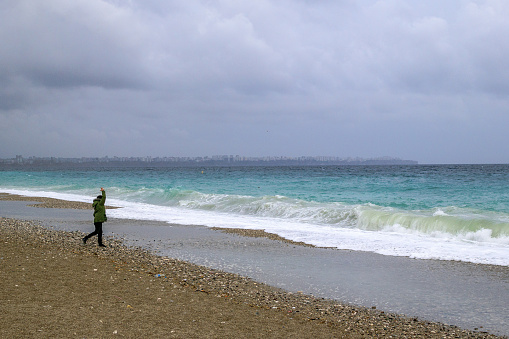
pixel 32 160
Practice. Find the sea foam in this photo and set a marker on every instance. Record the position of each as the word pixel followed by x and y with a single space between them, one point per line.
pixel 449 233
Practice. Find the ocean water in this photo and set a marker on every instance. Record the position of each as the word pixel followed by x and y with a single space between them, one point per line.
pixel 444 212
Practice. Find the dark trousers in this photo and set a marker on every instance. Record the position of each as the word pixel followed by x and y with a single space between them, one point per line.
pixel 98 231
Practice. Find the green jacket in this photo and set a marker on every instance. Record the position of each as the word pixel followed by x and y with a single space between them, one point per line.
pixel 99 209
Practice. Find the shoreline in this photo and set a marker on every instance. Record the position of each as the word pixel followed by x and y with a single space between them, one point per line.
pixel 43 202
pixel 332 318
pixel 59 203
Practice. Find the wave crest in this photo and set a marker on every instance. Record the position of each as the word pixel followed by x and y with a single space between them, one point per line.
pixel 448 221
pixel 467 224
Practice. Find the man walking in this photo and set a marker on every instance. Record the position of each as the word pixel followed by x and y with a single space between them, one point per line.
pixel 99 218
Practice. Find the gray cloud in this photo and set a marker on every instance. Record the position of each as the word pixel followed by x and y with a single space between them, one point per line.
pixel 425 80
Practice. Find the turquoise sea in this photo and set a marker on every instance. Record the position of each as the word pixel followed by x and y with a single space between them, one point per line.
pixel 446 212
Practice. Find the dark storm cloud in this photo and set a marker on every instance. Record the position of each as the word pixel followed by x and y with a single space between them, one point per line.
pixel 417 80
pixel 70 44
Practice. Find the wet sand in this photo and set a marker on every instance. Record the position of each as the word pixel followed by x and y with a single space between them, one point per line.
pixel 53 285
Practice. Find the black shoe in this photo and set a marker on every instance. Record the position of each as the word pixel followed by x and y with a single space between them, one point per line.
pixel 85 240
pixel 102 245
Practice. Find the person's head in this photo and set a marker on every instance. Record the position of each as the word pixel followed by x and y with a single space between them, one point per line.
pixel 99 196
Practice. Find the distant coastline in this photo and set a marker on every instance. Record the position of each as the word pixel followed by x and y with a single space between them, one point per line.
pixel 219 160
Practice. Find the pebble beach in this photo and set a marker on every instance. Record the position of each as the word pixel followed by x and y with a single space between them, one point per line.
pixel 52 285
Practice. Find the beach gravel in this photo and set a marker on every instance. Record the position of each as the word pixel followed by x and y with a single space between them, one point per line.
pixel 50 202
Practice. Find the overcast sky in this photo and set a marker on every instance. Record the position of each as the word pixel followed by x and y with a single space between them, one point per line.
pixel 421 80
